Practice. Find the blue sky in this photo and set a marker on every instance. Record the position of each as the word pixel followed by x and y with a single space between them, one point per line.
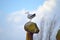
pixel 9 6
pixel 13 30
pixel 12 17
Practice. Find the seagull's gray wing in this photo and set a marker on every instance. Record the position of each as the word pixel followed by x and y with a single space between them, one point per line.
pixel 30 16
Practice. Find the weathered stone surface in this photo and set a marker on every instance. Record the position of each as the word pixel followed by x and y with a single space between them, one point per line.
pixel 58 35
pixel 31 27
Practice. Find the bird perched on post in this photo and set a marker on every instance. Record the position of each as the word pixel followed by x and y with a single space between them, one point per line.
pixel 30 16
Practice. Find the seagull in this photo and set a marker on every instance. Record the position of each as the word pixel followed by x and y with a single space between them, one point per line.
pixel 30 16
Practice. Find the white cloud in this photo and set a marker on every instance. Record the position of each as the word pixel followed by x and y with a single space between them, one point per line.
pixel 16 21
pixel 47 7
pixel 17 17
pixel 46 10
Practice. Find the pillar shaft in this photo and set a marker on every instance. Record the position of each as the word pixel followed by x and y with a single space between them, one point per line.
pixel 29 36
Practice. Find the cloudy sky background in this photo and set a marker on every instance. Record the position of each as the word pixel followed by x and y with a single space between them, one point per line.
pixel 12 17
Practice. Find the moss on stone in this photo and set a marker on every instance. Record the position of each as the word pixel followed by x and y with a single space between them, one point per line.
pixel 58 35
pixel 31 27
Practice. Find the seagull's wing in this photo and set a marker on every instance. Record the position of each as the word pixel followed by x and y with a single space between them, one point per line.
pixel 30 16
pixel 33 15
pixel 26 12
